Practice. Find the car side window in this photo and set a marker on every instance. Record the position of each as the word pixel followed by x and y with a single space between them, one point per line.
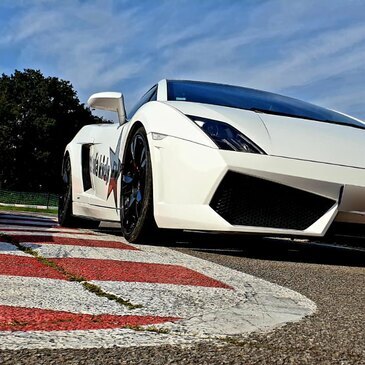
pixel 150 95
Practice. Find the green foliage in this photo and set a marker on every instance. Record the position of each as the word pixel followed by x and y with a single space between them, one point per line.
pixel 35 210
pixel 28 198
pixel 38 116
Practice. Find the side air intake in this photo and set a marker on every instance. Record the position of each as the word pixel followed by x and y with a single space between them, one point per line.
pixel 85 161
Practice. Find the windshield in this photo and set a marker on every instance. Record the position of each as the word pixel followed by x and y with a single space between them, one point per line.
pixel 255 100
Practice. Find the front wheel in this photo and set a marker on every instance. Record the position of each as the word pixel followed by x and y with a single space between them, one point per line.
pixel 136 200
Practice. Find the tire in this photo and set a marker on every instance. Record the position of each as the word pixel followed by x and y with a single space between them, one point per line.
pixel 65 216
pixel 136 196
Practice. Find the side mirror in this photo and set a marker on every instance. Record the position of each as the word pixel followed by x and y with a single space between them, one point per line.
pixel 111 101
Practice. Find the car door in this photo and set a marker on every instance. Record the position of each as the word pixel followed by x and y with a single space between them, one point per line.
pixel 105 155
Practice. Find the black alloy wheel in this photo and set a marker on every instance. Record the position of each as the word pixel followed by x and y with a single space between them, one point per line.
pixel 136 189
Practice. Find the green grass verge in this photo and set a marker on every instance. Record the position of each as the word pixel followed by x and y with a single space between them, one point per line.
pixel 21 209
pixel 28 198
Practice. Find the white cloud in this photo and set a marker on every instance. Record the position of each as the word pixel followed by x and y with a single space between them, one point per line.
pixel 323 56
pixel 82 42
pixel 113 45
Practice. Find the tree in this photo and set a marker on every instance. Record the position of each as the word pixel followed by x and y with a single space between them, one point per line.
pixel 38 117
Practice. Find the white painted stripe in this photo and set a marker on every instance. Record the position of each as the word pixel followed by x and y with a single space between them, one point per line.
pixel 266 305
pixel 156 299
pixel 171 300
pixel 90 339
pixel 61 295
pixel 101 253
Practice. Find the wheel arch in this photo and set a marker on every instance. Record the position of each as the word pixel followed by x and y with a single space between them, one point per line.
pixel 65 156
pixel 73 152
pixel 162 118
pixel 136 125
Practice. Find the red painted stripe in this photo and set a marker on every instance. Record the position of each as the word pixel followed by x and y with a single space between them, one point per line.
pixel 107 270
pixel 55 240
pixel 111 270
pixel 26 266
pixel 34 319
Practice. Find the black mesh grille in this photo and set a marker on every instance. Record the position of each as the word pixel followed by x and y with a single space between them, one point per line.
pixel 250 201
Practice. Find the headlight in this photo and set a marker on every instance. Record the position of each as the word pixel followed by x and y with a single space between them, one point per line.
pixel 225 136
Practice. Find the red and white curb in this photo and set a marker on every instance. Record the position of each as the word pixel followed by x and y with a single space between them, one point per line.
pixel 193 299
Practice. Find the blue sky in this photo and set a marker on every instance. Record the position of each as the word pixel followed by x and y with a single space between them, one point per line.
pixel 310 49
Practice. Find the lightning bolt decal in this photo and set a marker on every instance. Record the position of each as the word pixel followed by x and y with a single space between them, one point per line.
pixel 115 166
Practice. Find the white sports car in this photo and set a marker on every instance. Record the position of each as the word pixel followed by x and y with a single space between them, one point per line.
pixel 211 157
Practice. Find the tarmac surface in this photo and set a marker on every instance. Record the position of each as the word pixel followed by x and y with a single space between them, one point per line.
pixel 332 276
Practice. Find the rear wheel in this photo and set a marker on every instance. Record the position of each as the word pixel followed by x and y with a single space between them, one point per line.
pixel 136 201
pixel 65 216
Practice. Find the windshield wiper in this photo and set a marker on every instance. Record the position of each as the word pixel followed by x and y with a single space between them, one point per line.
pixel 266 111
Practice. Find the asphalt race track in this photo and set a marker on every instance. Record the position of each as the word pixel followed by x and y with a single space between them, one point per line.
pixel 89 297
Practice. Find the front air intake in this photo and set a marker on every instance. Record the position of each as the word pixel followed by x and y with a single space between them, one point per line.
pixel 250 201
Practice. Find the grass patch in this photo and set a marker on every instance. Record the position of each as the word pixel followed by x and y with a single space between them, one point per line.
pixel 148 329
pixel 29 198
pixel 97 290
pixel 157 330
pixel 23 209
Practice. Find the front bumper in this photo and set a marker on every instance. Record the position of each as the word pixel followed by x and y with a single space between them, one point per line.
pixel 187 178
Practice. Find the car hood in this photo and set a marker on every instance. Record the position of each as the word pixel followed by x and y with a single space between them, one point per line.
pixel 287 136
pixel 315 141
